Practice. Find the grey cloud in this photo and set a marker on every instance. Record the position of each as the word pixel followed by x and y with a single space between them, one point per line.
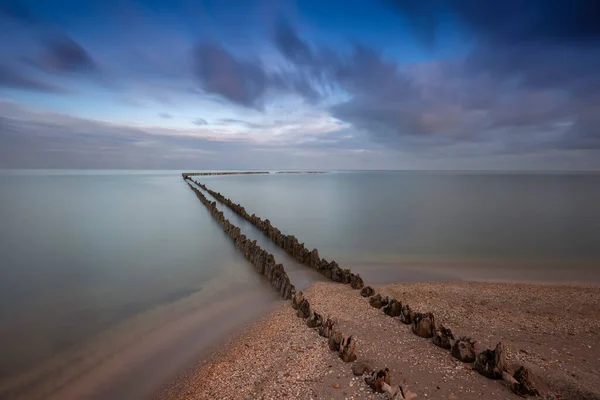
pixel 165 115
pixel 233 121
pixel 291 46
pixel 40 43
pixel 43 140
pixel 247 82
pixel 199 122
pixel 38 140
pixel 512 97
pixel 63 54
pixel 311 77
pixel 11 78
pixel 219 72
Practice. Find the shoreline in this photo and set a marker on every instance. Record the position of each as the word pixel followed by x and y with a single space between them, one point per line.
pixel 344 331
pixel 553 329
pixel 491 271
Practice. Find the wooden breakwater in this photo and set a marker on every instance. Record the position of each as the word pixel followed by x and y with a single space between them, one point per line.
pixel 266 265
pixel 491 363
pixel 263 261
pixel 291 245
pixel 186 174
pixel 300 172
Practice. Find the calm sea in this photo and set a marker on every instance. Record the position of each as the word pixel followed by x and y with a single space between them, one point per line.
pixel 112 281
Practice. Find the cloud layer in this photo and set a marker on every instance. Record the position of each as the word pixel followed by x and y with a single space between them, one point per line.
pixel 519 80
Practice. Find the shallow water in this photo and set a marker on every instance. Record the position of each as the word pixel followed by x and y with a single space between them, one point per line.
pixel 89 263
pixel 112 281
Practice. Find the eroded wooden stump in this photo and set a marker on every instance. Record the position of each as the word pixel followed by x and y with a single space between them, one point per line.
pixel 367 291
pixel 406 315
pixel 397 392
pixel 361 368
pixel 326 329
pixel 335 340
pixel 347 347
pixel 356 281
pixel 314 320
pixel 393 308
pixel 376 380
pixel 297 300
pixel 303 309
pixel 443 337
pixel 523 384
pixel 464 350
pixel 491 363
pixel 378 301
pixel 423 325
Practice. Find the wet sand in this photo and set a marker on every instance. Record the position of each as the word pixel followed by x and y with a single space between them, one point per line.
pixel 552 329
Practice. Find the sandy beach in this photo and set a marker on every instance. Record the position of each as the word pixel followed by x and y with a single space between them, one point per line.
pixel 554 330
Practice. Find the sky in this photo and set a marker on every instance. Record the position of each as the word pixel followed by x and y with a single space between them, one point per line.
pixel 305 84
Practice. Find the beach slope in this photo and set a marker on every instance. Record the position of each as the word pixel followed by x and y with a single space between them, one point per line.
pixel 554 330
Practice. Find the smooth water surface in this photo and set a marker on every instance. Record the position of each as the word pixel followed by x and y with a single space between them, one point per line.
pixel 533 225
pixel 85 255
